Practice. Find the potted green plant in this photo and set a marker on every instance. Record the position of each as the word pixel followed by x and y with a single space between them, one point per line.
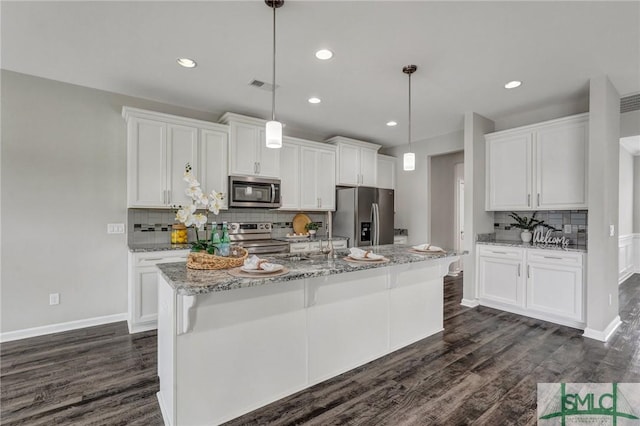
pixel 528 225
pixel 311 228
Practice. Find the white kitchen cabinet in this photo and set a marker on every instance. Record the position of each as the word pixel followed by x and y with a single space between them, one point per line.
pixel 158 148
pixel 357 162
pixel 555 284
pixel 500 275
pixel 538 167
pixel 386 172
pixel 290 175
pixel 307 176
pixel 543 284
pixel 143 287
pixel 316 246
pixel 248 153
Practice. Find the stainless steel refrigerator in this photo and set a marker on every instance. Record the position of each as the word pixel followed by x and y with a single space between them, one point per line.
pixel 365 215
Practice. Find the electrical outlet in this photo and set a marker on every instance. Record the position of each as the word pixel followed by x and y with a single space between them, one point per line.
pixel 54 299
pixel 115 228
pixel 567 228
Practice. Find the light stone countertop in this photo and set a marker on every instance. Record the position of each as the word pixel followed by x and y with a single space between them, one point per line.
pixel 520 244
pixel 192 282
pixel 143 248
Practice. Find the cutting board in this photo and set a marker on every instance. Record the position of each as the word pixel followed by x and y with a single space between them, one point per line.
pixel 299 222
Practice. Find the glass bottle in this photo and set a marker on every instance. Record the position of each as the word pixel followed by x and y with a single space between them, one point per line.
pixel 215 238
pixel 225 242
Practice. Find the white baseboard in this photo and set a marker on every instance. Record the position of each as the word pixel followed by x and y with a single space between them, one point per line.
pixel 163 410
pixel 469 303
pixel 63 326
pixel 604 335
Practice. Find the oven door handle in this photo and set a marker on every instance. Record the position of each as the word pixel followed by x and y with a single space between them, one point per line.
pixel 273 193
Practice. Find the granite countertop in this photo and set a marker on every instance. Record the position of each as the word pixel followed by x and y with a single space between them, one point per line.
pixel 190 282
pixel 520 244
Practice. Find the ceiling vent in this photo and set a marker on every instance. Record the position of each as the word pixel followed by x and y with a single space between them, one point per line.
pixel 630 103
pixel 262 85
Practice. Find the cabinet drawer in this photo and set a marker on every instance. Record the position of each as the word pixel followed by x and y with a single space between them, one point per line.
pixel 554 257
pixel 500 251
pixel 298 247
pixel 340 244
pixel 155 258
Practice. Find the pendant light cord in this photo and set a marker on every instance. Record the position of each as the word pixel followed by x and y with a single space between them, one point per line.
pixel 409 112
pixel 273 91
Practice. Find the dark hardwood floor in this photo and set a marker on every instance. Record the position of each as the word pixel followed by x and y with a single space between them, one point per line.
pixel 483 369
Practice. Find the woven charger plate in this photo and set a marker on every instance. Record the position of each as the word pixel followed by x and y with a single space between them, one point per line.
pixel 237 272
pixel 298 223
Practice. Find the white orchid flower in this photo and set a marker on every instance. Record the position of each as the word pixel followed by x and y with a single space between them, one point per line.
pixel 199 220
pixel 184 214
pixel 190 179
pixel 195 192
pixel 214 206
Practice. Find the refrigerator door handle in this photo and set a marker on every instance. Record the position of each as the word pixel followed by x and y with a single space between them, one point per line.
pixel 376 224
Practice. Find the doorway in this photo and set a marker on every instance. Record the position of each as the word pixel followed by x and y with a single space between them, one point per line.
pixel 446 203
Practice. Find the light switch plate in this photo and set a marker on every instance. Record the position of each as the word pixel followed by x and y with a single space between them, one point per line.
pixel 612 230
pixel 115 228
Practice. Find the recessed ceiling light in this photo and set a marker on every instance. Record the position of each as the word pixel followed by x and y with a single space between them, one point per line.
pixel 186 62
pixel 512 84
pixel 324 54
pixel 314 100
pixel 392 123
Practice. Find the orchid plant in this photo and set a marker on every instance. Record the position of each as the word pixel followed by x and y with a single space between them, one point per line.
pixel 188 215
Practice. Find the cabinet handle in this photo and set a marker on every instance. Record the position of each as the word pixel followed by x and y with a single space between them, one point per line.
pixel 255 168
pixel 258 167
pixel 528 200
pixel 152 259
pixel 552 257
pixel 528 271
pixel 499 252
pixel 538 199
pixel 518 269
pixel 168 196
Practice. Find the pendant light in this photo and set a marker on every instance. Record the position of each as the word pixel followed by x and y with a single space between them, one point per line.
pixel 409 158
pixel 273 129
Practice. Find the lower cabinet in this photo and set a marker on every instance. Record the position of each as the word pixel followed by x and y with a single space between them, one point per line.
pixel 143 287
pixel 314 246
pixel 544 284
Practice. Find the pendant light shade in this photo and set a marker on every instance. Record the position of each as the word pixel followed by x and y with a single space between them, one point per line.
pixel 409 161
pixel 409 158
pixel 274 134
pixel 273 128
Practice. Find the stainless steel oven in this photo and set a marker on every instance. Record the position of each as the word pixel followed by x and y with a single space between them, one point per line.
pixel 254 192
pixel 256 238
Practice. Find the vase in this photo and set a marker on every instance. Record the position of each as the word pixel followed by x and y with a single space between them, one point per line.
pixel 312 232
pixel 526 236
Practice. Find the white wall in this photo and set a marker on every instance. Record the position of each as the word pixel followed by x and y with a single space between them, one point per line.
pixel 412 204
pixel 625 215
pixel 63 179
pixel 442 198
pixel 636 195
pixel 602 258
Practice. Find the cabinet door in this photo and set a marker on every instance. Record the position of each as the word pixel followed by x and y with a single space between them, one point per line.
pixel 500 280
pixel 368 166
pixel 243 149
pixel 145 303
pixel 213 162
pixel 509 172
pixel 269 158
pixel 290 176
pixel 561 163
pixel 309 197
pixel 555 289
pixel 386 173
pixel 348 172
pixel 182 149
pixel 326 179
pixel 147 163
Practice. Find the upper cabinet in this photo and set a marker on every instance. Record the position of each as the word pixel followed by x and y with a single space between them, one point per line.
pixel 356 162
pixel 248 153
pixel 308 180
pixel 158 148
pixel 386 172
pixel 538 167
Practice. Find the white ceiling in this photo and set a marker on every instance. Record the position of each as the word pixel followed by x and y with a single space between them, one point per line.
pixel 465 53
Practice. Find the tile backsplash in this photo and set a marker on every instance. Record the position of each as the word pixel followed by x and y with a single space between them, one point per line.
pixel 558 219
pixel 151 226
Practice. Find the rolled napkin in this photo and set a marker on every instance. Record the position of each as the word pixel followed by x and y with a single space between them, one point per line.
pixel 427 247
pixel 357 253
pixel 254 262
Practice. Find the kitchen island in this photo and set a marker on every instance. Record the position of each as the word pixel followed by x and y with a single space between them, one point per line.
pixel 228 345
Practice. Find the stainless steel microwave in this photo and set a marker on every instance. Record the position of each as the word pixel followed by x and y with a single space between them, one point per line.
pixel 254 192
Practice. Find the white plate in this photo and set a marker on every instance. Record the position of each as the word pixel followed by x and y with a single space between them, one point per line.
pixel 277 268
pixel 428 250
